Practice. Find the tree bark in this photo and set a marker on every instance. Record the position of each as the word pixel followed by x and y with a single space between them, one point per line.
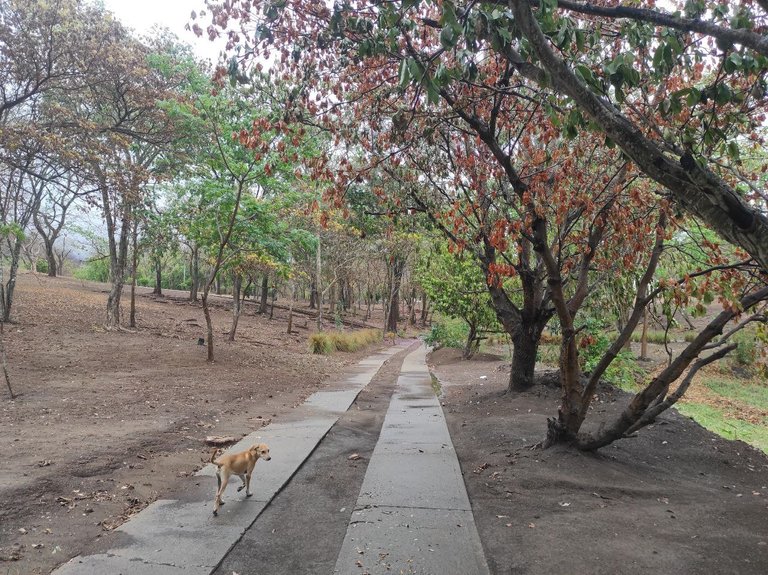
pixel 134 265
pixel 313 295
pixel 237 282
pixel 4 360
pixel 194 273
pixel 10 287
pixel 53 267
pixel 264 293
pixel 469 346
pixel 396 277
pixel 158 291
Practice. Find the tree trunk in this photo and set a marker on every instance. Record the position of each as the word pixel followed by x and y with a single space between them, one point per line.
pixel 53 267
pixel 158 291
pixel 319 291
pixel 208 323
pixel 194 269
pixel 393 311
pixel 272 304
pixel 134 265
pixel 237 283
pixel 469 346
pixel 700 191
pixel 524 351
pixel 313 295
pixel 264 294
pixel 424 308
pixel 412 315
pixel 292 288
pixel 644 337
pixel 4 360
pixel 10 287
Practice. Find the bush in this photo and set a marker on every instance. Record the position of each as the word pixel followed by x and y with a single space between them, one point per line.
pixel 41 266
pixel 448 333
pixel 96 270
pixel 623 371
pixel 329 341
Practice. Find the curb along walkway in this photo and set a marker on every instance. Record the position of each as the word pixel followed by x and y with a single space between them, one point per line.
pixel 171 537
pixel 413 513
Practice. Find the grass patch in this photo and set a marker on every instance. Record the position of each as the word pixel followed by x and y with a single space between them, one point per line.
pixel 436 387
pixel 752 394
pixel 326 342
pixel 717 421
pixel 652 336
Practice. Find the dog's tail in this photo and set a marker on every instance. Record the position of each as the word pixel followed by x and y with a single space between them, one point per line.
pixel 213 455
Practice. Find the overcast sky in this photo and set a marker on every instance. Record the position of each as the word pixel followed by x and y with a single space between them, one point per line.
pixel 141 15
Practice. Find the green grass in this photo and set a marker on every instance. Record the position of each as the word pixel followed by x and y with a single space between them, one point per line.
pixel 436 387
pixel 717 421
pixel 652 336
pixel 752 394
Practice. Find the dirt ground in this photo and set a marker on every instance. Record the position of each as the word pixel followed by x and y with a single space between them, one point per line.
pixel 676 499
pixel 107 422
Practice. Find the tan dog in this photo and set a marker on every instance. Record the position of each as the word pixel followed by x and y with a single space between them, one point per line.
pixel 240 464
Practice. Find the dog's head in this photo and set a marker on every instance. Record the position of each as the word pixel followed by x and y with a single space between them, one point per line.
pixel 261 451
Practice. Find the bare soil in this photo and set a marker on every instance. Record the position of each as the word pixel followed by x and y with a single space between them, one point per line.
pixel 675 499
pixel 106 422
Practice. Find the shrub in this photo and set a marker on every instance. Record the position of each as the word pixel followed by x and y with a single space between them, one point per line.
pixel 448 333
pixel 41 266
pixel 329 341
pixel 94 270
pixel 623 371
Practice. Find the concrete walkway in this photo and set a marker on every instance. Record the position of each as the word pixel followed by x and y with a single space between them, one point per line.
pixel 412 514
pixel 171 537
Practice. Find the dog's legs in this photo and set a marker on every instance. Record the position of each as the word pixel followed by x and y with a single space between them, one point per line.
pixel 247 483
pixel 222 486
pixel 242 478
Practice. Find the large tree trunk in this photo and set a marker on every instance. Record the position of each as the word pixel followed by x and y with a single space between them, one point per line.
pixel 470 345
pixel 158 291
pixel 264 294
pixel 525 348
pixel 313 295
pixel 194 273
pixel 10 287
pixel 237 282
pixel 318 285
pixel 292 288
pixel 653 394
pixel 208 323
pixel 699 191
pixel 393 309
pixel 134 265
pixel 50 257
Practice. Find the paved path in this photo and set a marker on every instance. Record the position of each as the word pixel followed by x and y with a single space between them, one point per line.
pixel 412 514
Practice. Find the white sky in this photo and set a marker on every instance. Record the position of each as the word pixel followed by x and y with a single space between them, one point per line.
pixel 141 15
